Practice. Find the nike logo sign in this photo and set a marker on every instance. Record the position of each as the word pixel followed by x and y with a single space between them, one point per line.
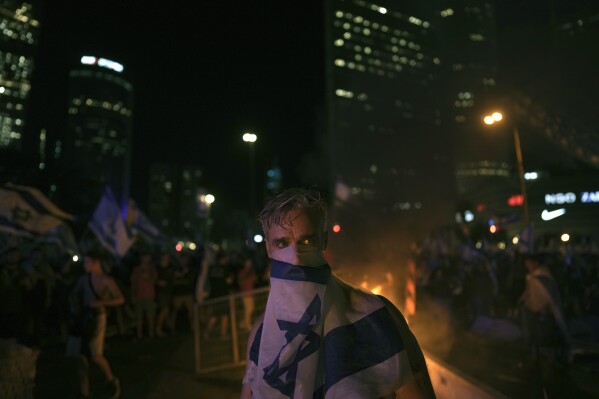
pixel 548 215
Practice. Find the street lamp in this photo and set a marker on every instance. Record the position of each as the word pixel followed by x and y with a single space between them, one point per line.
pixel 251 138
pixel 207 200
pixel 497 117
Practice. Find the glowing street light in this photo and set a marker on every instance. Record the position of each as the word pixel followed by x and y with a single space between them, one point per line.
pixel 251 138
pixel 496 117
pixel 206 201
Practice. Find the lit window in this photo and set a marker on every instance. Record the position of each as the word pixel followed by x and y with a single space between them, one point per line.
pixel 344 93
pixel 477 37
pixel 347 35
pixel 339 42
pixel 339 14
pixel 366 32
pixel 436 61
pixel 447 12
pixel 367 50
pixel 415 21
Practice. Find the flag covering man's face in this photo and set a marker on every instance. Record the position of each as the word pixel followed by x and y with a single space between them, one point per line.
pixel 301 241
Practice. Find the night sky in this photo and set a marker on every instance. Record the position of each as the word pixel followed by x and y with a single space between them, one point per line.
pixel 205 72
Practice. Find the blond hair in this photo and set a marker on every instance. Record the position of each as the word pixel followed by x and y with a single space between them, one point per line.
pixel 278 209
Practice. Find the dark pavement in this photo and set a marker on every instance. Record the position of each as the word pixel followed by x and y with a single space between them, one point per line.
pixel 164 367
pixel 151 368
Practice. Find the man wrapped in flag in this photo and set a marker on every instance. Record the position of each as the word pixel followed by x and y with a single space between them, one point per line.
pixel 320 337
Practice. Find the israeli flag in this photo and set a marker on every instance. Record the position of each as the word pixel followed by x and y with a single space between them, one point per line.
pixel 142 225
pixel 322 338
pixel 26 211
pixel 109 227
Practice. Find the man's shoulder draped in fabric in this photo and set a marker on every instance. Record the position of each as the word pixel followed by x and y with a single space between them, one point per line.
pixel 323 338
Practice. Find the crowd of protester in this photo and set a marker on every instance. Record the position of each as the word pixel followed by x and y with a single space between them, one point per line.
pixel 39 308
pixel 160 288
pixel 488 277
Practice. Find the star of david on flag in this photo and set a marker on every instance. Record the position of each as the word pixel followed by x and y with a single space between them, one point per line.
pixel 321 338
pixel 25 211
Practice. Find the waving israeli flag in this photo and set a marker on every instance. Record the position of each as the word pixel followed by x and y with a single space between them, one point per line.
pixel 26 211
pixel 324 339
pixel 142 225
pixel 109 227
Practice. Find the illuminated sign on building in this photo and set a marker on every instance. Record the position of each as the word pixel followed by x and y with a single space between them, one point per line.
pixel 589 196
pixel 102 62
pixel 560 198
pixel 586 197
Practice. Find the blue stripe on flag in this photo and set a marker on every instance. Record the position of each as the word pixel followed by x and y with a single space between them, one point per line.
pixel 103 235
pixel 15 227
pixel 30 199
pixel 349 349
pixel 286 271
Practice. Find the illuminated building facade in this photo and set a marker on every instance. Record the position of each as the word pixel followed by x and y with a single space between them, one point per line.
pixel 390 154
pixel 99 128
pixel 470 47
pixel 19 30
pixel 175 201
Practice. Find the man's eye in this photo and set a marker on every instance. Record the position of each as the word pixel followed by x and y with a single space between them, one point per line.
pixel 307 241
pixel 281 244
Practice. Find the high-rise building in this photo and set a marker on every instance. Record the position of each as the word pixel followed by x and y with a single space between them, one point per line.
pixel 19 29
pixel 177 201
pixel 98 138
pixel 483 157
pixel 390 153
pixel 470 55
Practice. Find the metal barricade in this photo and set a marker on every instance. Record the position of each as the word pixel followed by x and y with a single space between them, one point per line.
pixel 221 331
